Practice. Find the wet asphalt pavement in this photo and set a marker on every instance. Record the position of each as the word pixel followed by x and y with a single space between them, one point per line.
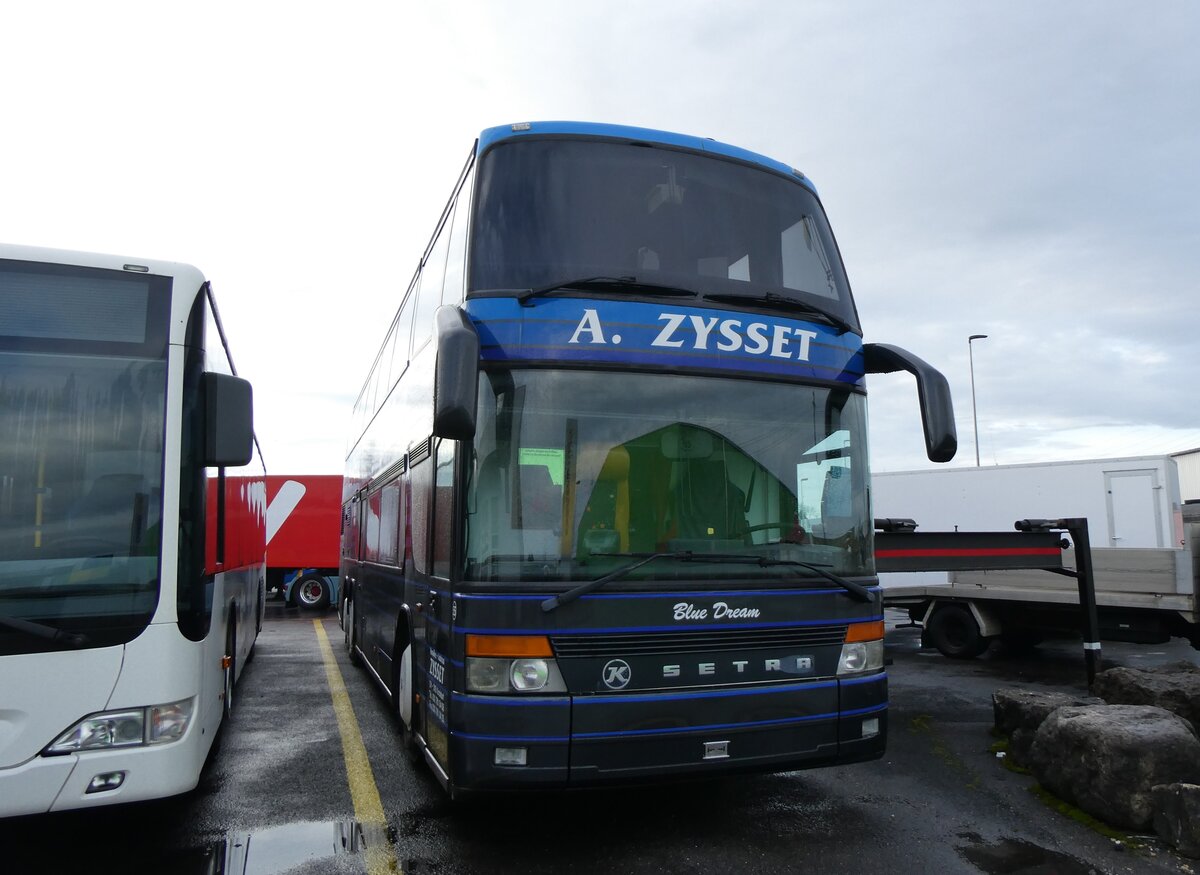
pixel 275 798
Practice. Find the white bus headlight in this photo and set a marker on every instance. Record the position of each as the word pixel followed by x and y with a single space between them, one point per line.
pixel 169 722
pixel 156 724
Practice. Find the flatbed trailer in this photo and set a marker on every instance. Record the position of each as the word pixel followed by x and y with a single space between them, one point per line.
pixel 1143 564
pixel 1004 587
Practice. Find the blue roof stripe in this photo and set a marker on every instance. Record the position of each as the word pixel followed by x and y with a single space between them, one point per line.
pixel 492 136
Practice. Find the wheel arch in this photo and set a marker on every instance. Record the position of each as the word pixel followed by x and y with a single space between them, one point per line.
pixel 988 619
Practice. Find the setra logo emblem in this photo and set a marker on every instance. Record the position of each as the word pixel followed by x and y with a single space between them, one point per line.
pixel 616 674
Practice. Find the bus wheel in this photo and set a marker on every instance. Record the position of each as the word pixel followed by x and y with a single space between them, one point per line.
pixel 405 705
pixel 348 625
pixel 229 670
pixel 953 631
pixel 311 592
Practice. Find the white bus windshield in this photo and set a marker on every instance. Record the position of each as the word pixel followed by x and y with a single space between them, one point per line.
pixel 574 472
pixel 82 398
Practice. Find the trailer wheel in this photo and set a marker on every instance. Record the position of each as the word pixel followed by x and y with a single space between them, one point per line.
pixel 953 631
pixel 311 592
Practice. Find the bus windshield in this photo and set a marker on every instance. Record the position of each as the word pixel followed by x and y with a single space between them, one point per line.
pixel 563 210
pixel 82 406
pixel 575 472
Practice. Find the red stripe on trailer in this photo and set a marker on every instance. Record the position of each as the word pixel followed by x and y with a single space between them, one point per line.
pixel 972 551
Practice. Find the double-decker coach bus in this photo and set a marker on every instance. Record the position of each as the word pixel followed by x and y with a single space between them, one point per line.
pixel 606 509
pixel 131 573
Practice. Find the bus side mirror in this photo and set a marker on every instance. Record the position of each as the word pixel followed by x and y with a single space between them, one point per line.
pixel 937 409
pixel 456 382
pixel 228 421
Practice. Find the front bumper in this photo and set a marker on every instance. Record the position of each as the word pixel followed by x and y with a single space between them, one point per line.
pixel 576 741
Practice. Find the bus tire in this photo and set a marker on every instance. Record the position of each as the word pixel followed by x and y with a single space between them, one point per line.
pixel 311 592
pixel 953 631
pixel 229 672
pixel 405 700
pixel 351 644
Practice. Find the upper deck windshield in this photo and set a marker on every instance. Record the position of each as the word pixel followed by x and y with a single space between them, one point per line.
pixel 82 397
pixel 555 210
pixel 573 468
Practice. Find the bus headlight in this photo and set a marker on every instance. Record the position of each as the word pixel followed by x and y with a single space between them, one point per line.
pixel 168 722
pixel 529 674
pixel 157 724
pixel 861 656
pixel 863 648
pixel 512 664
pixel 524 675
pixel 487 675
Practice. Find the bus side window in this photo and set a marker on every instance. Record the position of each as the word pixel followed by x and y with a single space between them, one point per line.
pixel 389 523
pixel 429 297
pixel 422 506
pixel 374 525
pixel 452 286
pixel 443 509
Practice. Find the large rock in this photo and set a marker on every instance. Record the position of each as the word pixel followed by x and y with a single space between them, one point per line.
pixel 1177 816
pixel 1106 758
pixel 1175 687
pixel 1018 714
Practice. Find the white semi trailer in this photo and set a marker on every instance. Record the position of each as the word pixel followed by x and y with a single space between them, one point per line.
pixel 1143 539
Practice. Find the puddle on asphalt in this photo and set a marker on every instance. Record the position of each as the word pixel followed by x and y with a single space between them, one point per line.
pixel 278 849
pixel 1015 857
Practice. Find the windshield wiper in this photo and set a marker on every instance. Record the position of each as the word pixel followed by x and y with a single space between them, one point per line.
pixel 855 589
pixel 40 630
pixel 783 302
pixel 591 585
pixel 627 283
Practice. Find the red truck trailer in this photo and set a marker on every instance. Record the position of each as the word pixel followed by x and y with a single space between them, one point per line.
pixel 303 533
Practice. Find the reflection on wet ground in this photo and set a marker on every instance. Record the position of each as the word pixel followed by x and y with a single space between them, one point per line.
pixel 1015 856
pixel 105 841
pixel 291 847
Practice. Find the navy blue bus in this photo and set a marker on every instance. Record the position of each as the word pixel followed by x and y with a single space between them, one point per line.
pixel 606 509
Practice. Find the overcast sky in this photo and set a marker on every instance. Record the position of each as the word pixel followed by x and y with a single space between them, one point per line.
pixel 1025 170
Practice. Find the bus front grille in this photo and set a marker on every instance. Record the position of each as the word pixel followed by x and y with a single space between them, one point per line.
pixel 695 642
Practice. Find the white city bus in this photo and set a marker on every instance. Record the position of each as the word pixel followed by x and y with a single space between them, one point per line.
pixel 131 571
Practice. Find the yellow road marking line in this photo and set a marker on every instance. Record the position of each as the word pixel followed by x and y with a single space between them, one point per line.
pixel 368 808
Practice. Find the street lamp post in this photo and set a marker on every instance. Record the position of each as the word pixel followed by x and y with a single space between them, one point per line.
pixel 974 415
